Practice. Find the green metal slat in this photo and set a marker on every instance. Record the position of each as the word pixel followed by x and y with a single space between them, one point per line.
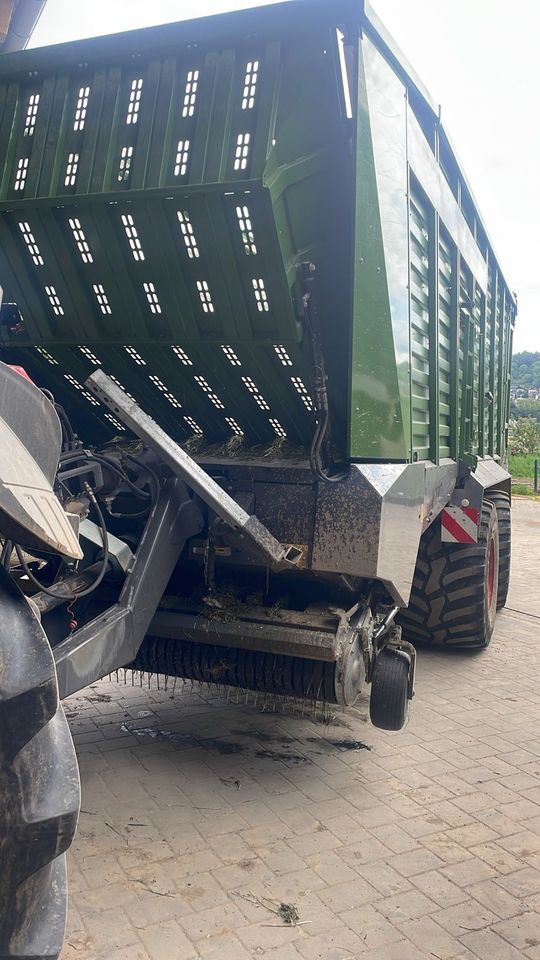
pixel 433 273
pixel 455 342
pixel 151 75
pixel 218 119
pixel 481 381
pixel 183 128
pixel 112 260
pixel 38 140
pixel 500 375
pixel 162 224
pixel 3 105
pixel 164 111
pixel 231 267
pixel 266 263
pixel 136 381
pixel 123 136
pixel 56 254
pixel 85 416
pixel 200 406
pixel 22 282
pixel 182 382
pixel 56 131
pixel 61 258
pixel 285 405
pixel 227 381
pixel 203 145
pixel 421 324
pixel 232 65
pixel 492 387
pixel 85 141
pixel 179 380
pixel 10 135
pixel 267 103
pixel 105 147
pixel 212 234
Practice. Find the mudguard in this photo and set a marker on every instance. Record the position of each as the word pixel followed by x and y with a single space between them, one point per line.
pixel 30 443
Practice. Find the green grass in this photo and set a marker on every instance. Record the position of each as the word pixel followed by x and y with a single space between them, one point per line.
pixel 523 490
pixel 523 466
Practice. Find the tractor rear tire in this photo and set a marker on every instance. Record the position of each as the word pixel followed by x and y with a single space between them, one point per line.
pixel 455 588
pixel 39 786
pixel 501 501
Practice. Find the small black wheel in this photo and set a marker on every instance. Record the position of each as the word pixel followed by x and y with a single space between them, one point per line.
pixel 501 502
pixel 388 703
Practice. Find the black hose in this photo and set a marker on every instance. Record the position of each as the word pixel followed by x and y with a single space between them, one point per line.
pixel 130 516
pixel 76 595
pixel 111 464
pixel 145 466
pixel 321 393
pixel 67 429
pixel 6 554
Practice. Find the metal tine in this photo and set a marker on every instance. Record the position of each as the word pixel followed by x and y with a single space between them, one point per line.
pixel 237 696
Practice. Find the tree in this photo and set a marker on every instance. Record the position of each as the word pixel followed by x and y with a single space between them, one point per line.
pixel 525 408
pixel 525 437
pixel 526 370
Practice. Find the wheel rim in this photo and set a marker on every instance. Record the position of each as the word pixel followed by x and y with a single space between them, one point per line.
pixel 491 572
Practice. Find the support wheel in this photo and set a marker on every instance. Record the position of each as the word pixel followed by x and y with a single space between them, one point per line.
pixel 501 502
pixel 455 588
pixel 388 703
pixel 39 786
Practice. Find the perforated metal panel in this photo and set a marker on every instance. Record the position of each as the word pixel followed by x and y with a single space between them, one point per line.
pixel 420 333
pixel 155 205
pixel 445 345
pixel 160 191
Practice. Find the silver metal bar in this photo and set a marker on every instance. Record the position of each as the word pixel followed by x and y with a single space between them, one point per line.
pixel 113 638
pixel 188 470
pixel 285 639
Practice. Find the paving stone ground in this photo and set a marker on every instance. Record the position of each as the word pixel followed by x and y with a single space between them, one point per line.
pixel 200 816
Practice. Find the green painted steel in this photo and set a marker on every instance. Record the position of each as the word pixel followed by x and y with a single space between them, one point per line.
pixel 159 193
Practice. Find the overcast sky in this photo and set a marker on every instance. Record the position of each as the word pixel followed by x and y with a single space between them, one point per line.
pixel 479 59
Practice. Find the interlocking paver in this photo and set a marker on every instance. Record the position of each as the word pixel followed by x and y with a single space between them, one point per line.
pixel 487 945
pixel 425 845
pixel 522 931
pixel 429 936
pixel 496 899
pixel 469 871
pixel 165 940
pixel 439 888
pixel 466 916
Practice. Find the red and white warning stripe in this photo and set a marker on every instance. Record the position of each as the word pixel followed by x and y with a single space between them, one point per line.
pixel 459 525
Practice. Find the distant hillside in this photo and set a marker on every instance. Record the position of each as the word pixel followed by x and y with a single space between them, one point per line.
pixel 526 370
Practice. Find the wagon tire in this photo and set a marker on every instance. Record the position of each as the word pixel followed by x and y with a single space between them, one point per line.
pixel 454 595
pixel 501 502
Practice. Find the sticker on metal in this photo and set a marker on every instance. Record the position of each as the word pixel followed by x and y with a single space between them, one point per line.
pixel 459 525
